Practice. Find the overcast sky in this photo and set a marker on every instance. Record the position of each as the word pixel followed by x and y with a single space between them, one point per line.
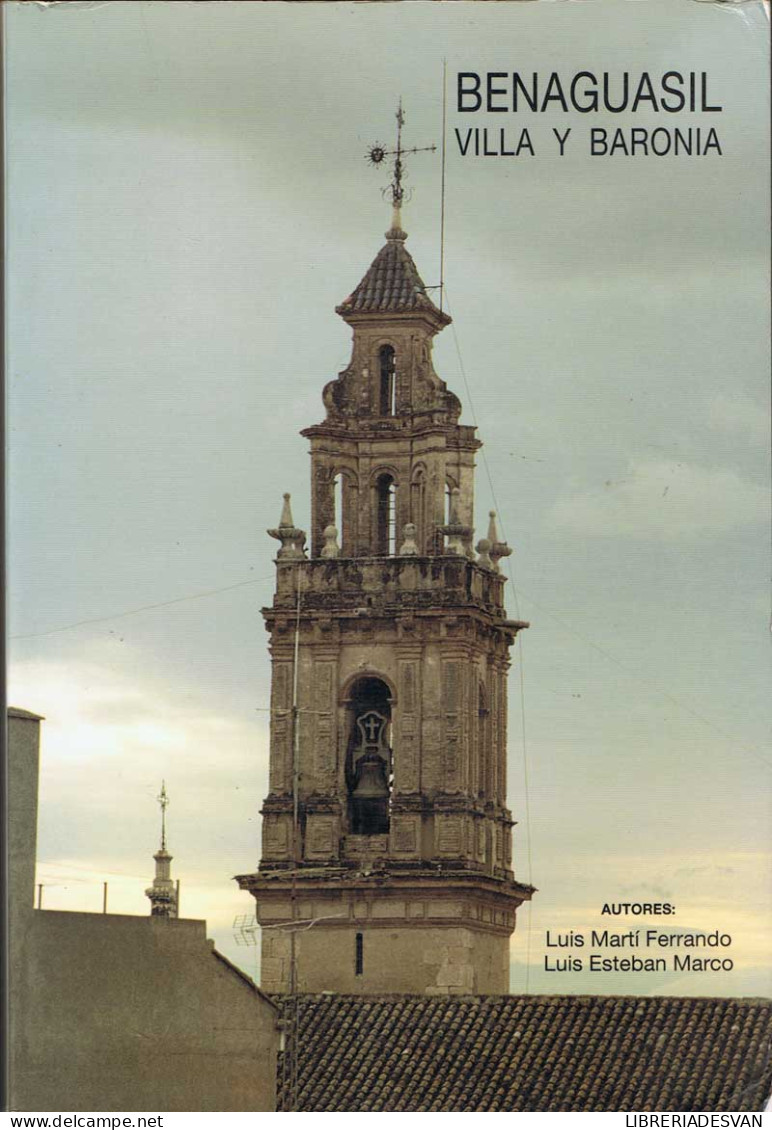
pixel 188 201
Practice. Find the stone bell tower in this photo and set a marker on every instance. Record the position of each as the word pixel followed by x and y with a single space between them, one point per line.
pixel 386 834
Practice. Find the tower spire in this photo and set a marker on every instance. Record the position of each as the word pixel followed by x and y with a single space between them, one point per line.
pixel 163 801
pixel 163 894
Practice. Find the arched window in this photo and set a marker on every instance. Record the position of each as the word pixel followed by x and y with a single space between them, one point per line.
pixel 369 758
pixel 386 370
pixel 484 758
pixel 449 516
pixel 341 508
pixel 418 506
pixel 385 516
pixel 448 503
pixel 338 487
pixel 337 496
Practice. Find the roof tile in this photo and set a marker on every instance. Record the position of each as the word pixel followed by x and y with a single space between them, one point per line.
pixel 532 1053
pixel 392 283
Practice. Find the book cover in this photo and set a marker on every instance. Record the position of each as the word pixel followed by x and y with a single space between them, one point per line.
pixel 192 190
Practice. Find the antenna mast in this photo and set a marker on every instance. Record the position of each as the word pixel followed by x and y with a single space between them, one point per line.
pixel 442 182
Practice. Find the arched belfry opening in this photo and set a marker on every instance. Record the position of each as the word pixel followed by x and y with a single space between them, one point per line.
pixel 386 369
pixel 337 504
pixel 418 506
pixel 385 515
pixel 369 757
pixel 449 514
pixel 482 735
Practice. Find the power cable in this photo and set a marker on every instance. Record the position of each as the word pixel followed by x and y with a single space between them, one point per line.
pixel 141 608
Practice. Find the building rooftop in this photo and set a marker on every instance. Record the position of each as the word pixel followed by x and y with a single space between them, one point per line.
pixel 391 285
pixel 548 1053
pixel 17 712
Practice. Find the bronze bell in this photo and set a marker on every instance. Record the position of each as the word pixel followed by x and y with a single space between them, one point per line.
pixel 370 797
pixel 371 783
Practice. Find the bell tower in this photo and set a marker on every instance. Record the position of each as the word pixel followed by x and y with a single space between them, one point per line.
pixel 386 858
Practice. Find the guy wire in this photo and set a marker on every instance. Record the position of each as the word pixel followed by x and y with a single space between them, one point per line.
pixel 521 671
pixel 521 665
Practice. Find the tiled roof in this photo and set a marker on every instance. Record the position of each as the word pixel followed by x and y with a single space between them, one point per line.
pixel 510 1053
pixel 392 283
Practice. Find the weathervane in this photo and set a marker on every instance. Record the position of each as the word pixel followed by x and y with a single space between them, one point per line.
pixel 378 153
pixel 163 800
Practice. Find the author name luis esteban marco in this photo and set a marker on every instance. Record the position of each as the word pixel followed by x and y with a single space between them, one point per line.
pixel 585 92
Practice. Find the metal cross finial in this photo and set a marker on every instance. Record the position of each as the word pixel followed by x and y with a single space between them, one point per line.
pixel 163 800
pixel 378 153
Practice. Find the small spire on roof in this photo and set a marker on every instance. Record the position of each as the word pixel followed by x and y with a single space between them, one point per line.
pixel 286 512
pixel 292 539
pixel 163 894
pixel 493 533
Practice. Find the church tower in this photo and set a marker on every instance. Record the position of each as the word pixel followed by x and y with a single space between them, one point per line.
pixel 386 859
